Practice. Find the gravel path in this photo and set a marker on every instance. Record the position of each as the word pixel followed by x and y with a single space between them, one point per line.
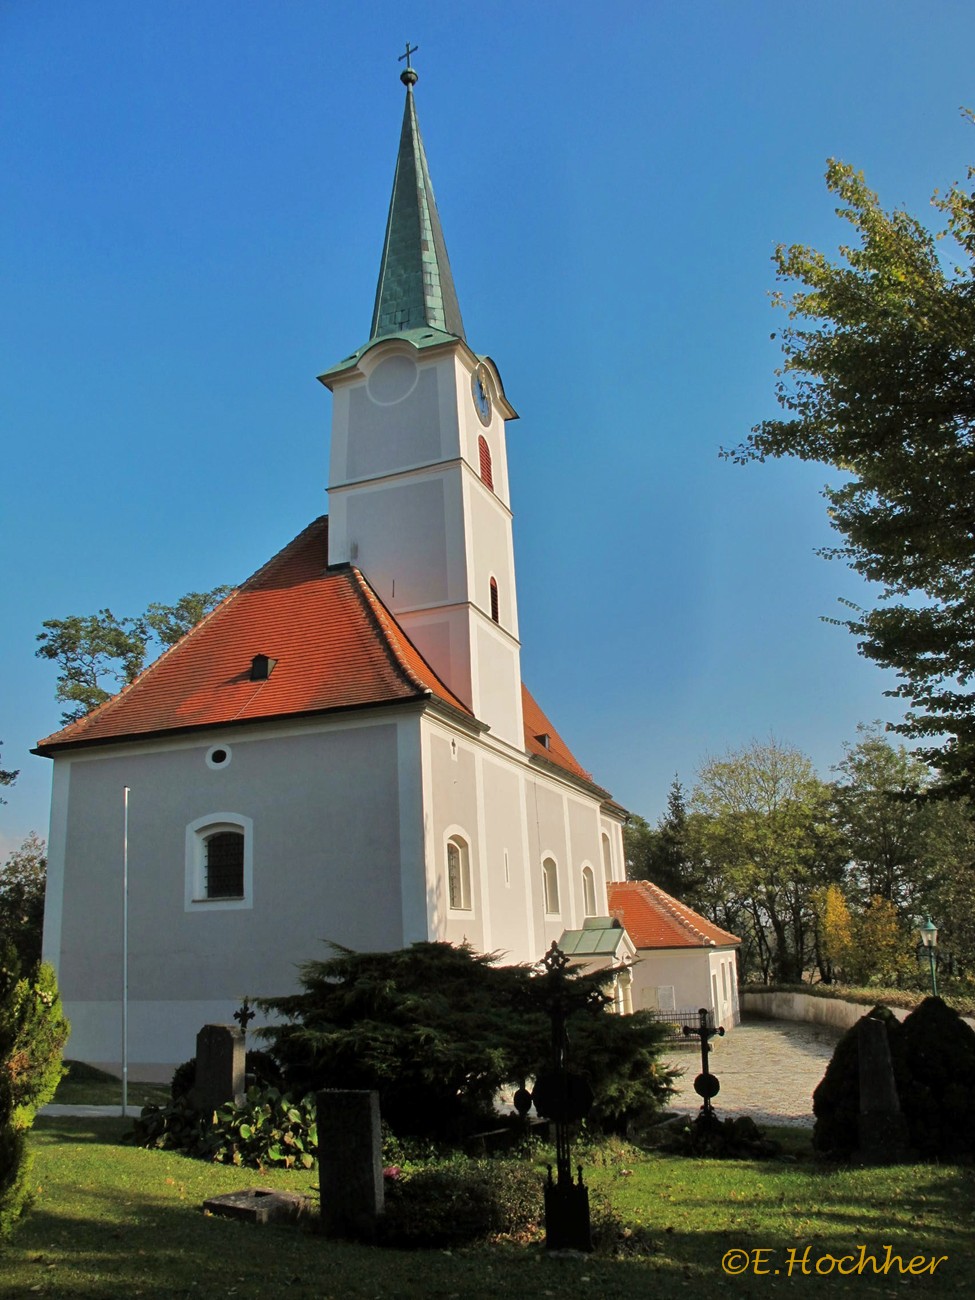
pixel 767 1069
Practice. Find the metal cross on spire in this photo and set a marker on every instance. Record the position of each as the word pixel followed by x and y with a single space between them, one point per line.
pixel 408 76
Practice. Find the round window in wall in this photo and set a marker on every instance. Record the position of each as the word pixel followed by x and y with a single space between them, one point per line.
pixel 218 756
pixel 393 379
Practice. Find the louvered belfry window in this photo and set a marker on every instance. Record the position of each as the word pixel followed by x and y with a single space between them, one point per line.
pixel 487 471
pixel 225 865
pixel 495 607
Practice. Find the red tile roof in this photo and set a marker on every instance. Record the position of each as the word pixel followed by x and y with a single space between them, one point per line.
pixel 336 645
pixel 537 725
pixel 655 920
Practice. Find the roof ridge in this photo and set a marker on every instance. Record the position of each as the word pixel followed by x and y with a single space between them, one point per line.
pixel 395 634
pixel 676 909
pixel 120 696
pixel 380 617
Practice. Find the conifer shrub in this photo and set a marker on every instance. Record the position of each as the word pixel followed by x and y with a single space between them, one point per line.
pixel 938 1099
pixel 836 1099
pixel 33 1032
pixel 933 1057
pixel 439 1030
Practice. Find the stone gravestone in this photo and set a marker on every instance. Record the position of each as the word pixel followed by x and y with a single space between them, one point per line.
pixel 882 1128
pixel 219 1068
pixel 350 1162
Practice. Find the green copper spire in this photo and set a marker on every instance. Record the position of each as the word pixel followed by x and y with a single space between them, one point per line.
pixel 416 288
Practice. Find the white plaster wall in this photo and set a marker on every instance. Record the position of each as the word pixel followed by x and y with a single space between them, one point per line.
pixel 688 970
pixel 497 681
pixel 336 857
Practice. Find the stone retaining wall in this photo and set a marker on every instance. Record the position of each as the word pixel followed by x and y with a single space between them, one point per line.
pixel 833 1012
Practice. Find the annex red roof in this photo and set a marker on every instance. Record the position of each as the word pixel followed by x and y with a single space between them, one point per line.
pixel 654 919
pixel 336 646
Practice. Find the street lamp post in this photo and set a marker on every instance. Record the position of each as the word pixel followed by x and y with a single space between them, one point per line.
pixel 928 942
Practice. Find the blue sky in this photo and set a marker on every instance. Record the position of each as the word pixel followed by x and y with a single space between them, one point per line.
pixel 192 205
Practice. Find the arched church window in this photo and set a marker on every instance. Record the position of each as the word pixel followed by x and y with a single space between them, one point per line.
pixel 607 859
pixel 588 891
pixel 224 865
pixel 484 455
pixel 495 604
pixel 550 886
pixel 458 874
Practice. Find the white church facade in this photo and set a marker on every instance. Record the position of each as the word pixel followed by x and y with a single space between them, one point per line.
pixel 343 750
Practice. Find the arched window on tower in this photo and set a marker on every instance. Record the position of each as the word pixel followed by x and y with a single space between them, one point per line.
pixel 495 604
pixel 588 891
pixel 550 885
pixel 484 454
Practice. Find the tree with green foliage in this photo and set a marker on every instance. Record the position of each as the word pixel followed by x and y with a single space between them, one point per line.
pixel 878 382
pixel 664 853
pixel 7 777
pixel 98 654
pixel 884 819
pixel 763 826
pixel 22 881
pixel 438 1030
pixel 33 1032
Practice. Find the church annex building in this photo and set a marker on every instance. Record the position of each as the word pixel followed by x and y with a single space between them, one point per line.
pixel 343 750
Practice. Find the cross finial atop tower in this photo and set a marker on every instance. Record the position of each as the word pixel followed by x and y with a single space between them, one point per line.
pixel 408 76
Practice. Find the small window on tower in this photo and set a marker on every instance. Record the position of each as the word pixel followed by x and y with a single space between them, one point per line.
pixel 487 471
pixel 495 607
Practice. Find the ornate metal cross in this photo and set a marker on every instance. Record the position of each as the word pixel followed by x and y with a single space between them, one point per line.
pixel 706 1084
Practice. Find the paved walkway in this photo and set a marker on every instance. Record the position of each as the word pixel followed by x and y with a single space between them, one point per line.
pixel 767 1069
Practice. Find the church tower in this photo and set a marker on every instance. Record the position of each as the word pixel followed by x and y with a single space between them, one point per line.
pixel 418 481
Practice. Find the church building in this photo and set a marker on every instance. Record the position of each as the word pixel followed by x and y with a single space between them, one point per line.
pixel 343 750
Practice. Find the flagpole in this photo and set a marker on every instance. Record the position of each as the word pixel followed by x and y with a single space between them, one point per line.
pixel 125 950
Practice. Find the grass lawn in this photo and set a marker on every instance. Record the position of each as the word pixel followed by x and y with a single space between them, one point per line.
pixel 84 1085
pixel 112 1220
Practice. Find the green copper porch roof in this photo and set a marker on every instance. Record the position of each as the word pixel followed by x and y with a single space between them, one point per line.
pixel 600 936
pixel 416 288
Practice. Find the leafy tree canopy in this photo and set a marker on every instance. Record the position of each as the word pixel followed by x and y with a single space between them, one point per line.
pixel 22 880
pixel 878 382
pixel 97 654
pixel 7 778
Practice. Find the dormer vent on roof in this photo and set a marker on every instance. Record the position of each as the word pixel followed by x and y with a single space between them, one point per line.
pixel 262 666
pixel 544 739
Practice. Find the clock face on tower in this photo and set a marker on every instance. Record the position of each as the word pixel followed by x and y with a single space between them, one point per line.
pixel 482 394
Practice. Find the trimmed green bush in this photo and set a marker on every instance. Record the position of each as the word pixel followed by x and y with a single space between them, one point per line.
pixel 461 1202
pixel 33 1032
